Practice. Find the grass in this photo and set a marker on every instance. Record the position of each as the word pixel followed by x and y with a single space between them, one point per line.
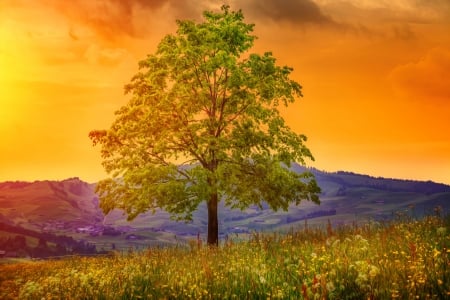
pixel 405 259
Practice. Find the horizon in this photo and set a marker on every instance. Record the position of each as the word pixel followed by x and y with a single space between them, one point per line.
pixel 374 76
pixel 314 169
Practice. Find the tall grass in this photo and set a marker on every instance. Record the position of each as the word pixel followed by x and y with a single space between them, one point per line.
pixel 406 259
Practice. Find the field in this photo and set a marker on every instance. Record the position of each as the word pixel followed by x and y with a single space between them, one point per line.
pixel 405 259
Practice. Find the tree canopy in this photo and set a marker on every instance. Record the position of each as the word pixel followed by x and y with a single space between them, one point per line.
pixel 203 125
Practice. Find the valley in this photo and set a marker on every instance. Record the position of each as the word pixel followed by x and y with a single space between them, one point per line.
pixel 70 208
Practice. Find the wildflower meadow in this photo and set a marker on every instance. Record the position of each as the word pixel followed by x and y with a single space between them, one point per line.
pixel 403 259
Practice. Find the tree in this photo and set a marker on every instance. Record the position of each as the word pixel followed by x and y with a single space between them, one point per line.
pixel 203 124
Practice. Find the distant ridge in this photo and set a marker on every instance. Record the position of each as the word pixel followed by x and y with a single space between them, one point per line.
pixel 351 179
pixel 345 178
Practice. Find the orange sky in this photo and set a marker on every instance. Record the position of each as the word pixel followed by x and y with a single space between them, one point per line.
pixel 375 77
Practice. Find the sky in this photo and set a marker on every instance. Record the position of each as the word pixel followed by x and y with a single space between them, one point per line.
pixel 375 77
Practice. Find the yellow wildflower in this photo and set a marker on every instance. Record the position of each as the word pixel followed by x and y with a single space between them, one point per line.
pixel 436 252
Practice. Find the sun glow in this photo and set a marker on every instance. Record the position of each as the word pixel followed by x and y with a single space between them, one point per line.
pixel 10 71
pixel 373 76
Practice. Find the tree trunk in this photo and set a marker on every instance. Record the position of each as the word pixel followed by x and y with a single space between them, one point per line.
pixel 213 223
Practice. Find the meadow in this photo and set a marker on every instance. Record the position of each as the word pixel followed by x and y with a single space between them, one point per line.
pixel 401 259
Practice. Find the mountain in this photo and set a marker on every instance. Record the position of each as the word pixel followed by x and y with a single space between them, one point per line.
pixel 48 205
pixel 70 207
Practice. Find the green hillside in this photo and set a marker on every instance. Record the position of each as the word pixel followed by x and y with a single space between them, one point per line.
pixel 70 207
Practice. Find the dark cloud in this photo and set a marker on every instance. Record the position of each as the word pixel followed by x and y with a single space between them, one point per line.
pixel 291 11
pixel 112 19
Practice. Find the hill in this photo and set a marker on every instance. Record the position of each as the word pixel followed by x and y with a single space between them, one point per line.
pixel 49 205
pixel 70 208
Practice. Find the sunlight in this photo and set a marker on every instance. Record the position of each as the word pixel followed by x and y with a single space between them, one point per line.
pixel 8 49
pixel 15 65
pixel 8 71
pixel 9 106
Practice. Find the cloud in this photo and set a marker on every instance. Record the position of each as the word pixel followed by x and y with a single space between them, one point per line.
pixel 426 79
pixel 298 12
pixel 411 11
pixel 435 9
pixel 301 14
pixel 109 19
pixel 403 32
pixel 112 19
pixel 104 56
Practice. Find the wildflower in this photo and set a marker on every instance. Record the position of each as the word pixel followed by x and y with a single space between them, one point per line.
pixel 335 243
pixel 395 294
pixel 374 271
pixel 279 294
pixel 361 279
pixel 441 231
pixel 436 252
pixel 330 286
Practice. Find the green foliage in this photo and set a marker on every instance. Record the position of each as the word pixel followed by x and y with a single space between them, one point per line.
pixel 403 259
pixel 203 123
